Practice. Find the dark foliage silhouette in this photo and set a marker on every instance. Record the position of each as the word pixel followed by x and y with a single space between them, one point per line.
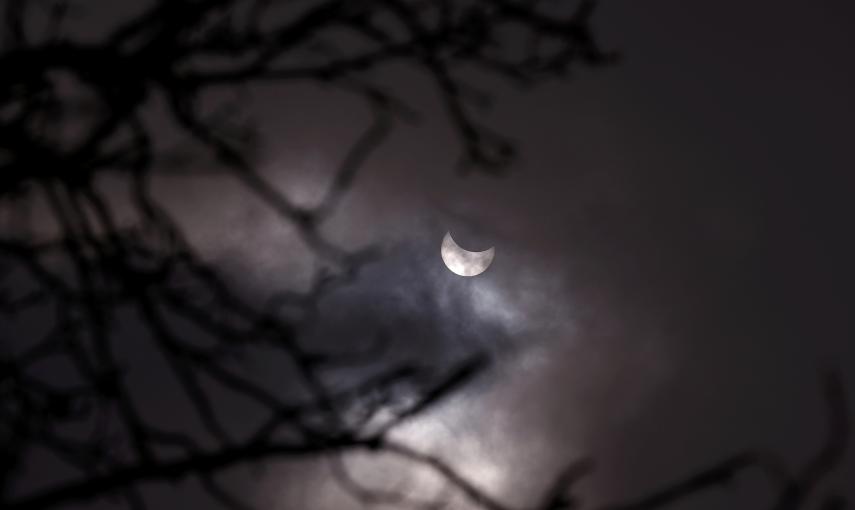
pixel 74 113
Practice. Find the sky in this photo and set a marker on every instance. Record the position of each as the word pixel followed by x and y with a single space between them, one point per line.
pixel 671 273
pixel 673 247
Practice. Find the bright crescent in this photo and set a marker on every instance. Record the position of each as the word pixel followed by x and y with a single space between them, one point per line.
pixel 464 262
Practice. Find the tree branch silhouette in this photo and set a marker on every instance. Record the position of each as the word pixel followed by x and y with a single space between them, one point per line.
pixel 76 111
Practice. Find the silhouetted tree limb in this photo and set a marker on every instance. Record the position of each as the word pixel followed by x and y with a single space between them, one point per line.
pixel 792 487
pixel 75 111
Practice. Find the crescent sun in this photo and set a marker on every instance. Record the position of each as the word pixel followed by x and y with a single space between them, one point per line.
pixel 464 262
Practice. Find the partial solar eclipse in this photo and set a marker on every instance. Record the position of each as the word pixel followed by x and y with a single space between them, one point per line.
pixel 464 262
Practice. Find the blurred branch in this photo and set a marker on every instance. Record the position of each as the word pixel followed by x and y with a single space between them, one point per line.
pixel 792 487
pixel 76 112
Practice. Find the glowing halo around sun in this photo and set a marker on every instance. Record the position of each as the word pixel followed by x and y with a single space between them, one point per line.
pixel 464 262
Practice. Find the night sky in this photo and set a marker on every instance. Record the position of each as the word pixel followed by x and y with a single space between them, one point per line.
pixel 673 265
